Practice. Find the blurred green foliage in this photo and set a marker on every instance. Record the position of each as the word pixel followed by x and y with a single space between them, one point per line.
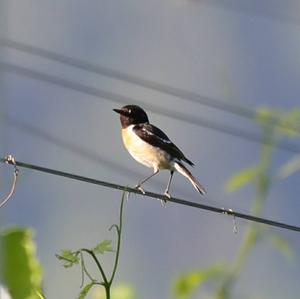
pixel 275 125
pixel 281 244
pixel 121 291
pixel 21 272
pixel 289 168
pixel 242 178
pixel 185 284
pixel 286 124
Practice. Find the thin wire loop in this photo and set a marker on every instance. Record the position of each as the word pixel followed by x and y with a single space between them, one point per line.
pixel 231 212
pixel 9 159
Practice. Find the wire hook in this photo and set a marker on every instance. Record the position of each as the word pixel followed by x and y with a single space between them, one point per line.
pixel 10 159
pixel 231 212
pixel 235 226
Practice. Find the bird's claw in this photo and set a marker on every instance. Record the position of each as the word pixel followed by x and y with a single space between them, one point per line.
pixel 138 187
pixel 167 194
pixel 163 201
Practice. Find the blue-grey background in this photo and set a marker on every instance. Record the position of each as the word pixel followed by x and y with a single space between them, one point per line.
pixel 241 52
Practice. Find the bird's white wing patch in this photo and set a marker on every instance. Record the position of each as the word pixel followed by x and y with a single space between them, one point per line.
pixel 158 137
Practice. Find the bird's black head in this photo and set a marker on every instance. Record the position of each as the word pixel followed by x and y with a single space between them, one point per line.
pixel 132 115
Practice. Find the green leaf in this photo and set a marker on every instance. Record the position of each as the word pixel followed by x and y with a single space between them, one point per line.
pixel 286 123
pixel 290 124
pixel 289 167
pixel 282 244
pixel 21 271
pixel 84 291
pixel 68 257
pixel 104 246
pixel 242 178
pixel 185 284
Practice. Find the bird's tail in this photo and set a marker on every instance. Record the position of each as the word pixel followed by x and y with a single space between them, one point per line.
pixel 184 171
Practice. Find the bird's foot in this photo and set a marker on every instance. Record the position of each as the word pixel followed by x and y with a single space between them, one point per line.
pixel 139 187
pixel 163 201
pixel 167 194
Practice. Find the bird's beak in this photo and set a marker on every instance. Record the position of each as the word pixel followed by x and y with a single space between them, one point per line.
pixel 117 110
pixel 120 111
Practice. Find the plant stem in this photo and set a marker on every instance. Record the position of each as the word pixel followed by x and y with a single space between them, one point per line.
pixel 119 233
pixel 107 291
pixel 106 283
pixel 90 252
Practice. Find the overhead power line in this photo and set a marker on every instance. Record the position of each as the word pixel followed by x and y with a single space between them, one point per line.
pixel 146 83
pixel 152 195
pixel 199 121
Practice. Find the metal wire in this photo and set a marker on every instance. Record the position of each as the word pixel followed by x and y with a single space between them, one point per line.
pixel 224 211
pixel 9 159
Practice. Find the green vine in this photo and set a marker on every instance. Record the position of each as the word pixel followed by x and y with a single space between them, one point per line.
pixel 70 258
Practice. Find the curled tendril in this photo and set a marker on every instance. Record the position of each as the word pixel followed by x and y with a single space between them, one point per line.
pixel 9 159
pixel 116 227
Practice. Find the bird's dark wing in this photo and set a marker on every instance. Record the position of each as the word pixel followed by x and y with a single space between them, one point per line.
pixel 158 138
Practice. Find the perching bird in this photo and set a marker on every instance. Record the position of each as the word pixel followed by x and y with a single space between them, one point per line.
pixel 150 146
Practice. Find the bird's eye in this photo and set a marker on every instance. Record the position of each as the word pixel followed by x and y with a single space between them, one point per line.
pixel 129 111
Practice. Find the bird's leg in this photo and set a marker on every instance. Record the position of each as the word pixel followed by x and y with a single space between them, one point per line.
pixel 167 194
pixel 139 185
